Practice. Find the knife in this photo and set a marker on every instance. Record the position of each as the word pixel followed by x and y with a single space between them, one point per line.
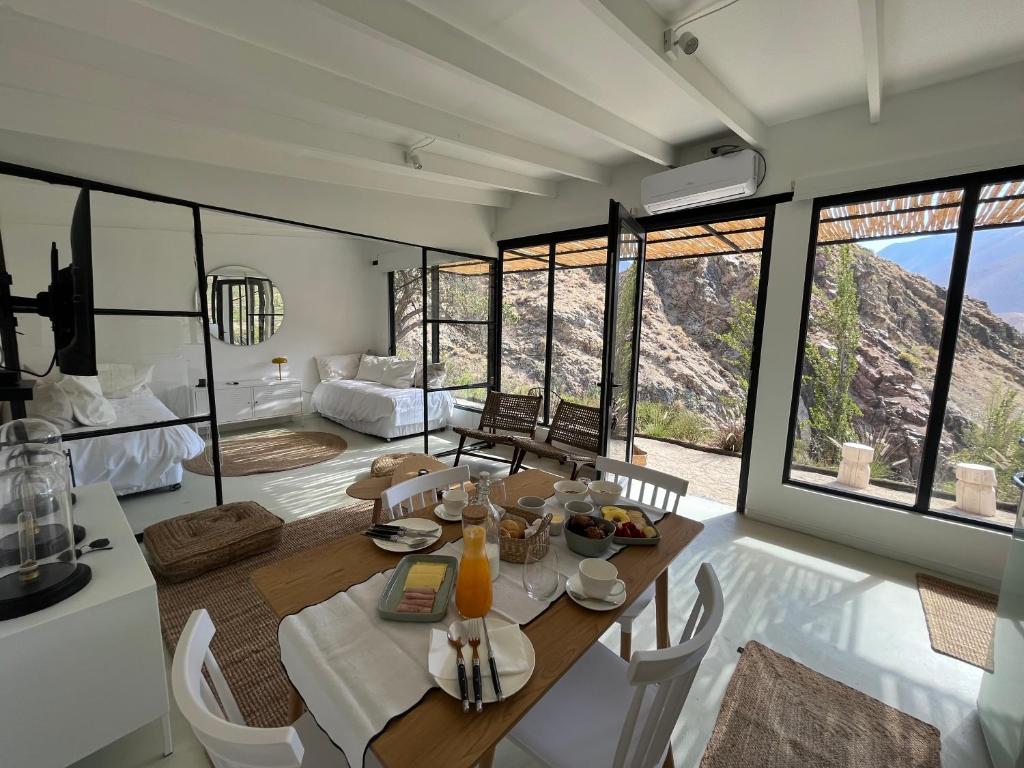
pixel 495 678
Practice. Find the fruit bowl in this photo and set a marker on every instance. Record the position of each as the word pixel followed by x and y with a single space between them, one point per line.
pixel 635 530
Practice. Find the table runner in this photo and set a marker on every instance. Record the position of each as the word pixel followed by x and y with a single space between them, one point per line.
pixel 356 671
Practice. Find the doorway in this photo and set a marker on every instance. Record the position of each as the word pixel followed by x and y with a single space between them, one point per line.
pixel 682 344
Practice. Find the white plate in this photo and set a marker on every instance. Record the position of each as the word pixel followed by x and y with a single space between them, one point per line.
pixel 429 528
pixel 443 514
pixel 510 684
pixel 593 605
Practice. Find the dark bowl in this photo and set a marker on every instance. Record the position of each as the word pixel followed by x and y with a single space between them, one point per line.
pixel 587 547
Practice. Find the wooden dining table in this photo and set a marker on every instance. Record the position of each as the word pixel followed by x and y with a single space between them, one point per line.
pixel 436 726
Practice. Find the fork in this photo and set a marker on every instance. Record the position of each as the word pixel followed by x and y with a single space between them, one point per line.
pixel 399 538
pixel 474 643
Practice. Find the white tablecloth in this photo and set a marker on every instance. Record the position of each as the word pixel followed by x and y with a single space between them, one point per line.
pixel 356 671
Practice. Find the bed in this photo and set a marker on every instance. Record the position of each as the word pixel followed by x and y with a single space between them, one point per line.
pixel 375 409
pixel 135 461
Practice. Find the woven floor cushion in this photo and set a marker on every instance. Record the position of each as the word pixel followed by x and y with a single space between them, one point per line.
pixel 187 546
pixel 384 466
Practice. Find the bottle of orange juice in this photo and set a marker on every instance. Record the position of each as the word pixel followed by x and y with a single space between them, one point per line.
pixel 473 587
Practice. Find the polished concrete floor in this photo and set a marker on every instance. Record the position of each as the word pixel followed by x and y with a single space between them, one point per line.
pixel 851 615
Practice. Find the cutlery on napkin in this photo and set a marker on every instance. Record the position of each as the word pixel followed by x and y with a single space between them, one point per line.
pixel 506 646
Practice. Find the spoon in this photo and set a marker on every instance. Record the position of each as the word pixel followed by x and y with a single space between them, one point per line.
pixel 98 545
pixel 583 598
pixel 456 642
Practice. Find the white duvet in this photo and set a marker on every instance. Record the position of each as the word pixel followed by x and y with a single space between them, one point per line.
pixel 135 461
pixel 380 410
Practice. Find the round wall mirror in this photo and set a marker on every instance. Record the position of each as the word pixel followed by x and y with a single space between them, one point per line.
pixel 243 306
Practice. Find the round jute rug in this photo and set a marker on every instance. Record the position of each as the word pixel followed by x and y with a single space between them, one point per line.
pixel 274 450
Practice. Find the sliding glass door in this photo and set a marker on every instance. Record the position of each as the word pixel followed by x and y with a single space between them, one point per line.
pixel 626 241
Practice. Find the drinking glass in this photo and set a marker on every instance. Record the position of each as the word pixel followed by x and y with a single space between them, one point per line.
pixel 498 495
pixel 540 573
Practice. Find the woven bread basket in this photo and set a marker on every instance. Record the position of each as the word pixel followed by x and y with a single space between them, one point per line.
pixel 514 550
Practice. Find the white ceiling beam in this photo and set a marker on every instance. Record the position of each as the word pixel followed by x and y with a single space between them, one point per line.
pixel 871 35
pixel 638 24
pixel 36 71
pixel 72 120
pixel 260 75
pixel 427 35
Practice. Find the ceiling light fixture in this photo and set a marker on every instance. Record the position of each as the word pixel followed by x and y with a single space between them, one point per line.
pixel 413 160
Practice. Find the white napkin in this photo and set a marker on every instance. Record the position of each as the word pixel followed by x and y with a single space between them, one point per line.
pixel 508 652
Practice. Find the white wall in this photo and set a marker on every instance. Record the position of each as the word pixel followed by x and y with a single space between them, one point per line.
pixel 970 124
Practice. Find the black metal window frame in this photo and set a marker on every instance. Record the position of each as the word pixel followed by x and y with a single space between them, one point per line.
pixel 433 325
pixel 740 209
pixel 92 185
pixel 971 184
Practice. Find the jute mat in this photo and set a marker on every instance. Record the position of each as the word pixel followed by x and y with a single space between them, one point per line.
pixel 245 645
pixel 274 450
pixel 960 620
pixel 780 714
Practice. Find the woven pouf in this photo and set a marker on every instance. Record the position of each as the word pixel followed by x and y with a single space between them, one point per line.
pixel 186 546
pixel 385 466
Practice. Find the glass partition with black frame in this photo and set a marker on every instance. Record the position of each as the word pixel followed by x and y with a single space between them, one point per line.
pixel 459 328
pixel 146 260
pixel 910 382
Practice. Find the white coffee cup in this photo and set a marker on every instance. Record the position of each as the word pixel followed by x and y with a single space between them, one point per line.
pixel 579 508
pixel 455 501
pixel 600 579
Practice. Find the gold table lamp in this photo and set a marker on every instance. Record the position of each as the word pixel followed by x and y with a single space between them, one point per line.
pixel 279 361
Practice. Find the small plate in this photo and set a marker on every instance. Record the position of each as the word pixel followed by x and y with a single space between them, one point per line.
pixel 593 605
pixel 510 684
pixel 428 527
pixel 442 513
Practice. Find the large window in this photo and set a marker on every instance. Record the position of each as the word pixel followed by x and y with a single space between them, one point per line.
pixel 458 325
pixel 910 374
pixel 553 295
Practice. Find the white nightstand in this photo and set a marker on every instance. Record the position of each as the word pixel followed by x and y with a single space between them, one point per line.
pixel 89 670
pixel 251 399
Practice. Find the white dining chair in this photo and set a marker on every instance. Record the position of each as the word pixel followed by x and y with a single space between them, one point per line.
pixel 218 723
pixel 416 492
pixel 604 711
pixel 653 489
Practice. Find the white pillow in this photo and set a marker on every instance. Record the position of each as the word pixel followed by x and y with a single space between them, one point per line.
pixel 399 374
pixel 437 373
pixel 50 402
pixel 338 366
pixel 88 404
pixel 372 368
pixel 123 379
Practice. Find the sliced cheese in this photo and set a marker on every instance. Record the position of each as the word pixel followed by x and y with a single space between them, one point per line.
pixel 428 575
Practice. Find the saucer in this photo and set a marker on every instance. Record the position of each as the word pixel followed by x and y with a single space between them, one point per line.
pixel 443 514
pixel 593 605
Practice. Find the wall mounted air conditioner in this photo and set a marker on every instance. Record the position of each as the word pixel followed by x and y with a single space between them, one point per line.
pixel 716 180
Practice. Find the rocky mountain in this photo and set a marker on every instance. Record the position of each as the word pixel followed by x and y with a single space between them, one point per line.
pixel 688 306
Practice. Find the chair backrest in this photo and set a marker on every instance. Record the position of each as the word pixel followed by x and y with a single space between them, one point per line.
pixel 216 721
pixel 576 425
pixel 643 485
pixel 510 413
pixel 417 492
pixel 670 671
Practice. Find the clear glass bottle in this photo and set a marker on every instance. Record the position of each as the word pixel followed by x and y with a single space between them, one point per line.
pixel 482 511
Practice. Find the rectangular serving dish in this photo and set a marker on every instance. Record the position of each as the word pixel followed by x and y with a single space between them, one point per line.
pixel 392 594
pixel 631 542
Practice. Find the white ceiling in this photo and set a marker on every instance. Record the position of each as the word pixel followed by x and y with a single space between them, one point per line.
pixel 508 97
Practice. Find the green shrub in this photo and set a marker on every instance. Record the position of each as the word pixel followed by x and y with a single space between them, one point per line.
pixel 676 422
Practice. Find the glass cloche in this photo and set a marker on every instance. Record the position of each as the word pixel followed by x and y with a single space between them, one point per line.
pixel 38 563
pixel 37 442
